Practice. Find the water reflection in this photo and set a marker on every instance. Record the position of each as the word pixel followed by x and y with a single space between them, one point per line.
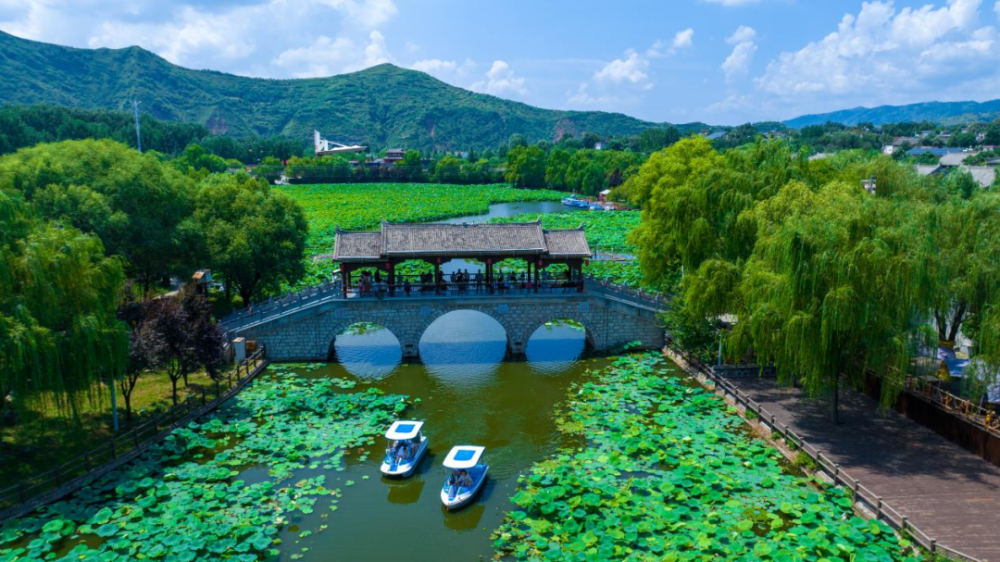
pixel 555 346
pixel 464 347
pixel 368 352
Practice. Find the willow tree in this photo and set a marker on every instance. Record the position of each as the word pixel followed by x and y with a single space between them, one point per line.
pixel 835 287
pixel 58 331
pixel 965 259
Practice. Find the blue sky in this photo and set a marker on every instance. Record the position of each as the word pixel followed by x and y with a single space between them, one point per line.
pixel 718 61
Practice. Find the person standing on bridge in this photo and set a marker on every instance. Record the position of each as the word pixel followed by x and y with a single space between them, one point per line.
pixel 479 281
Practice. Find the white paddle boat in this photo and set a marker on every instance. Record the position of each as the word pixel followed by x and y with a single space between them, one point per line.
pixel 406 447
pixel 466 475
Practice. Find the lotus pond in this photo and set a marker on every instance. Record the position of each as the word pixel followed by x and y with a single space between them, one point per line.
pixel 669 473
pixel 588 460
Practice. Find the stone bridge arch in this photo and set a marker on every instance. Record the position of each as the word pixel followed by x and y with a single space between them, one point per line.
pixel 307 333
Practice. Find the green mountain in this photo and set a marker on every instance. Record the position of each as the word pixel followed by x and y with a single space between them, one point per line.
pixel 381 106
pixel 945 113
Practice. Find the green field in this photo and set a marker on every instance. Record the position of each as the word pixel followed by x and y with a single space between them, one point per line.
pixel 364 206
pixel 670 474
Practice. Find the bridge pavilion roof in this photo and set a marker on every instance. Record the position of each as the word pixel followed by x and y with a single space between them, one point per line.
pixel 471 240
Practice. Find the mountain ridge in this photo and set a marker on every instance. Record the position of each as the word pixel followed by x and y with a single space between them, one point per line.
pixel 942 112
pixel 382 105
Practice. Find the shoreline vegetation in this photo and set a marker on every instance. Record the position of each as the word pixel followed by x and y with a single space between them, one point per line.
pixel 671 473
pixel 191 496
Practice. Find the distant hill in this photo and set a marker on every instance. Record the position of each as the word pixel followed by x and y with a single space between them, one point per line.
pixel 945 113
pixel 382 106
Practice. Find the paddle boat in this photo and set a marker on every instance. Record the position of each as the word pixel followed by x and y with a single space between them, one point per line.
pixel 466 475
pixel 574 202
pixel 406 447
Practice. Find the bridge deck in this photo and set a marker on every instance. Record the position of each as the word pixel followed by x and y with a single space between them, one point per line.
pixel 329 292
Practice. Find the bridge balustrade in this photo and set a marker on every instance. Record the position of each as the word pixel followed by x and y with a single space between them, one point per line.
pixel 289 302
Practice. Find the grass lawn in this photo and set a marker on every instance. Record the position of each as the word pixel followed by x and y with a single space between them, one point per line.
pixel 44 438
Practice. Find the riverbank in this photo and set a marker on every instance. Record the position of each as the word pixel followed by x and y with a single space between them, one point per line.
pixel 670 472
pixel 45 437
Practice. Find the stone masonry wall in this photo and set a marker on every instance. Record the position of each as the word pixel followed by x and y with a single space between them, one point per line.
pixel 306 335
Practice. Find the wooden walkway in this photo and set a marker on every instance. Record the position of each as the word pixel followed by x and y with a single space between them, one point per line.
pixel 951 494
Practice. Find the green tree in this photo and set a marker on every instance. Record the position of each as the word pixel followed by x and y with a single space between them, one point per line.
pixel 449 170
pixel 517 140
pixel 654 139
pixel 135 204
pixel 831 288
pixel 526 166
pixel 254 236
pixel 556 168
pixel 58 330
pixel 195 157
pixel 412 166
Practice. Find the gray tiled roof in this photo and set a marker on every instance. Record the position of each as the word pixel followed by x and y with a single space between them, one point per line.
pixel 358 246
pixel 416 240
pixel 567 243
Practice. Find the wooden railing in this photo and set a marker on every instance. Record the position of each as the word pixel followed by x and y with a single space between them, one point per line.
pixel 27 495
pixel 970 412
pixel 840 477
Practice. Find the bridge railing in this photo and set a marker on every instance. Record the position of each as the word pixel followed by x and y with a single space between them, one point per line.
pixel 639 297
pixel 277 306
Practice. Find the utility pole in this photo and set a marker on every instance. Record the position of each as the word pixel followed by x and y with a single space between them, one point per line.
pixel 138 135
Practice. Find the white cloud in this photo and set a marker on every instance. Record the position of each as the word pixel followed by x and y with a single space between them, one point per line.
pixel 742 35
pixel 327 56
pixel 370 13
pixel 682 40
pixel 631 69
pixel 239 36
pixel 996 8
pixel 731 3
pixel 500 80
pixel 738 62
pixel 582 96
pixel 447 70
pixel 884 51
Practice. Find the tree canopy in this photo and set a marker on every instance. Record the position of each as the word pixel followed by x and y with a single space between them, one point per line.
pixel 134 203
pixel 58 330
pixel 822 278
pixel 255 237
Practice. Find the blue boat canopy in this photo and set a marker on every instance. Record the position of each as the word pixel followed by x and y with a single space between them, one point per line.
pixel 403 430
pixel 463 456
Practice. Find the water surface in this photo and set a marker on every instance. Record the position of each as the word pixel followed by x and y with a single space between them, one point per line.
pixel 468 395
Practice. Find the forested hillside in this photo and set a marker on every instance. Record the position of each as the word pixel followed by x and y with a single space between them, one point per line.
pixel 944 113
pixel 381 106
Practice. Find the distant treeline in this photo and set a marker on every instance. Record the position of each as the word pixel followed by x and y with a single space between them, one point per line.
pixel 27 125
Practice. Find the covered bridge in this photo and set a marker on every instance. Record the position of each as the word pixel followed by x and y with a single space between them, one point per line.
pixel 436 244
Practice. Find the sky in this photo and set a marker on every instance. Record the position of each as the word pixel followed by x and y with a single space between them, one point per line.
pixel 722 62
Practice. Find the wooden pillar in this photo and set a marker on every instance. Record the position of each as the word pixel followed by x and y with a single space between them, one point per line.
pixel 437 276
pixel 489 277
pixel 345 278
pixel 537 277
pixel 391 267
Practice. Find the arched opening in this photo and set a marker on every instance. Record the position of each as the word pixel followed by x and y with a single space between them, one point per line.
pixel 463 346
pixel 366 350
pixel 556 345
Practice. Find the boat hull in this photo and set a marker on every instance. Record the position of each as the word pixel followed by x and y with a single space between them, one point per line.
pixel 404 470
pixel 466 495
